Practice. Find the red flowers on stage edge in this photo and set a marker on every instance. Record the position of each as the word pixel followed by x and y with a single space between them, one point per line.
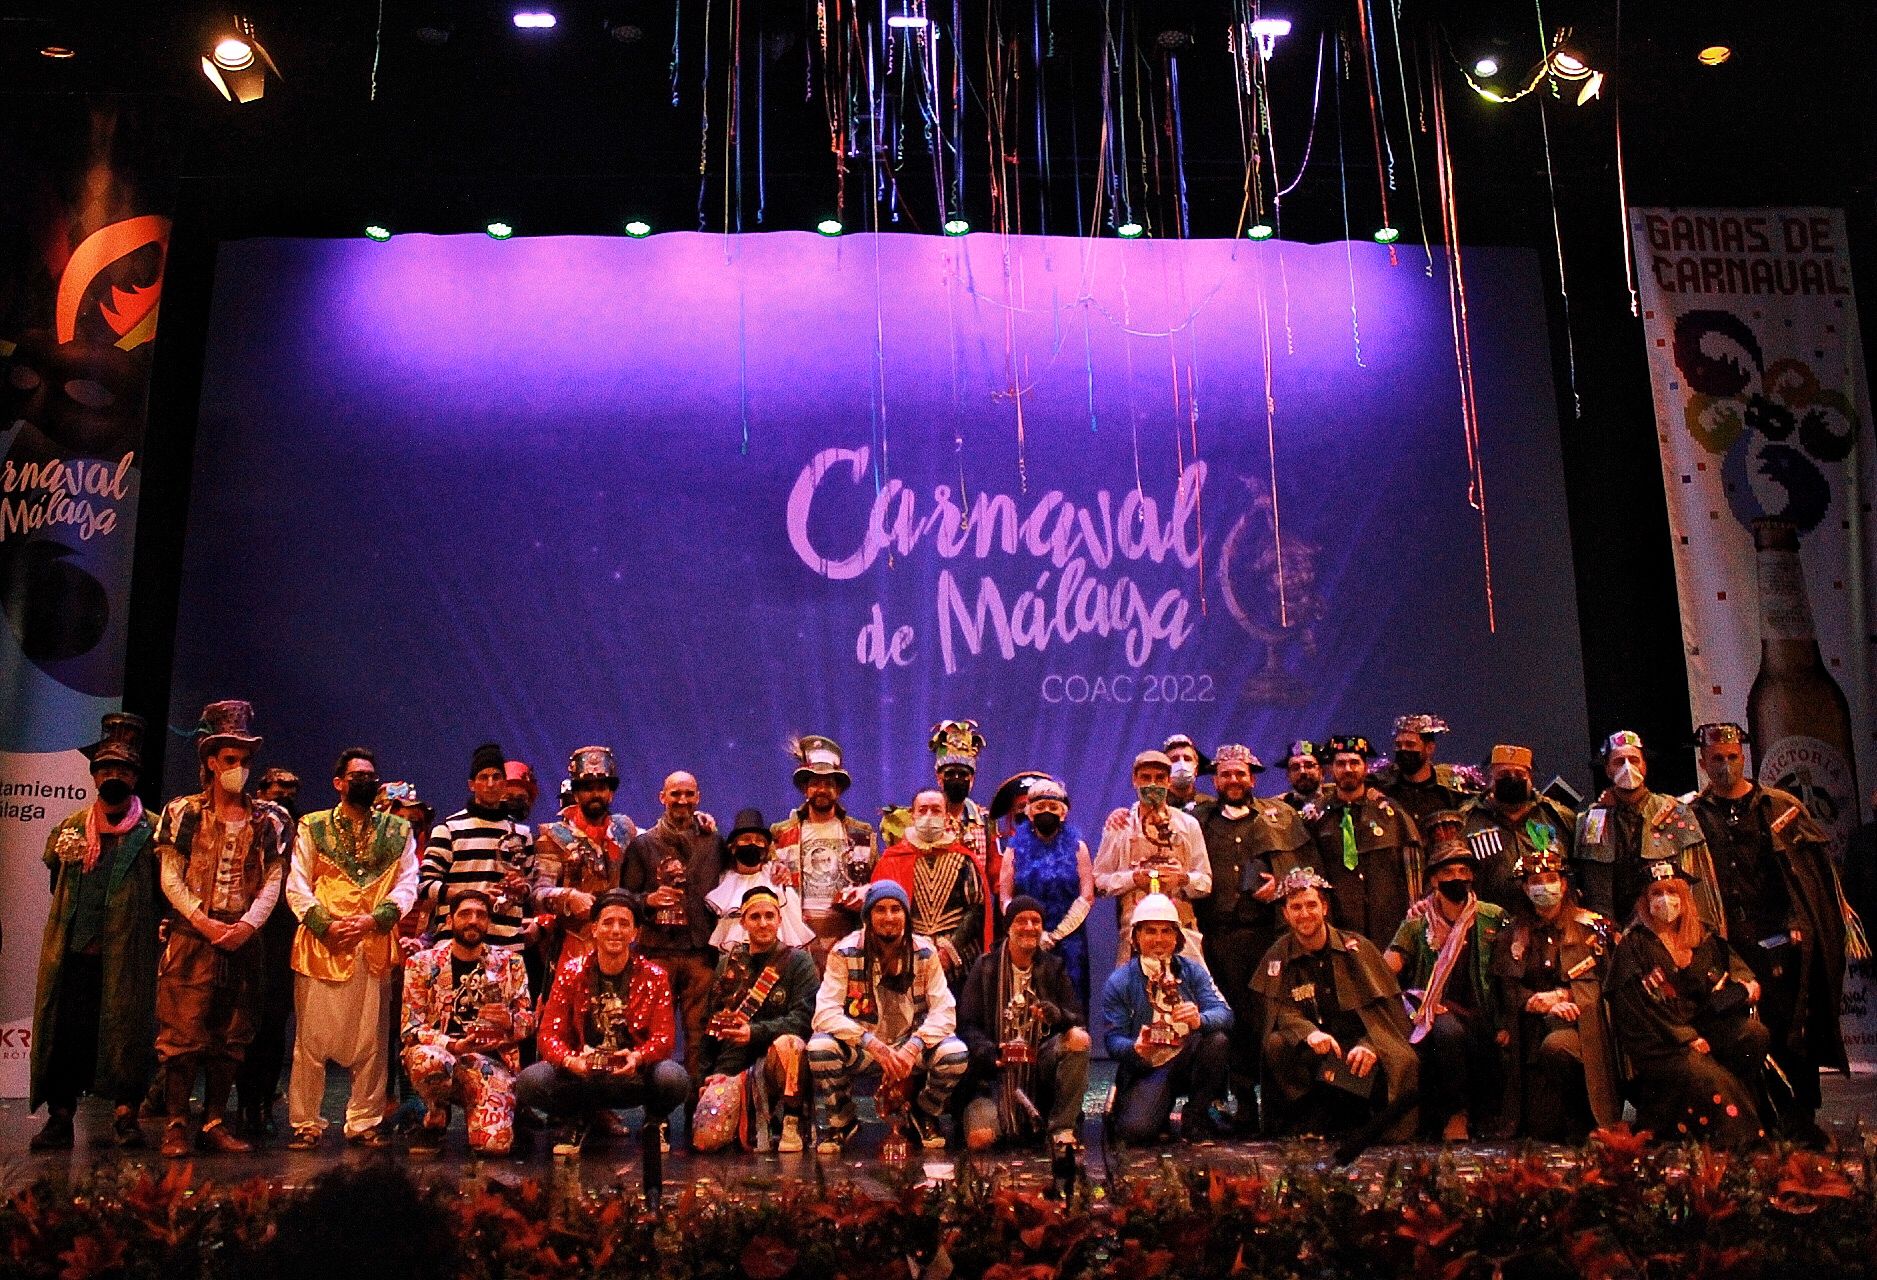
pixel 1616 1210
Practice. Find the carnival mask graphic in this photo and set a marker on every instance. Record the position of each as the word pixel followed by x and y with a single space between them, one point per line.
pixel 72 393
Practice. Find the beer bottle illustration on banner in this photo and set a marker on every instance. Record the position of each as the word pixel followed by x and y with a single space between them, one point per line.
pixel 1796 712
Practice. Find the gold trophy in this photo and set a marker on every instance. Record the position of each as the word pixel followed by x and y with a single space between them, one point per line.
pixel 614 1025
pixel 1019 1016
pixel 508 901
pixel 475 995
pixel 672 875
pixel 1163 992
pixel 893 1100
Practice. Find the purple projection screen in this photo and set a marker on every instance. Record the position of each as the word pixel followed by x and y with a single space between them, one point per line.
pixel 691 494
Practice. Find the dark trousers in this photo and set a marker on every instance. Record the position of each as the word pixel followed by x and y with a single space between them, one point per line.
pixel 1779 972
pixel 1233 955
pixel 560 1094
pixel 74 1063
pixel 1143 1099
pixel 691 973
pixel 1459 1068
pixel 1556 1105
pixel 257 1082
pixel 1707 1097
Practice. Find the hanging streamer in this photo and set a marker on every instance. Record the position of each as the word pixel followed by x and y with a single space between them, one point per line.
pixel 1462 341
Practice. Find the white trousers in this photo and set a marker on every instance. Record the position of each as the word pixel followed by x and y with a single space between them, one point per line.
pixel 345 1023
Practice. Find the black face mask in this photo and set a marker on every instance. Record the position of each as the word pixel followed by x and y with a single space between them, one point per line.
pixel 516 809
pixel 114 791
pixel 1409 761
pixel 1046 824
pixel 1455 890
pixel 361 793
pixel 749 855
pixel 1512 789
pixel 956 789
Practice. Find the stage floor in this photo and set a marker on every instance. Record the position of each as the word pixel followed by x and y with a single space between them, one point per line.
pixel 1848 1100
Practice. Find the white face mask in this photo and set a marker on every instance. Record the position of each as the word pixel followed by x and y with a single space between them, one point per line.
pixel 1628 776
pixel 1665 910
pixel 1184 773
pixel 234 779
pixel 930 827
pixel 1545 896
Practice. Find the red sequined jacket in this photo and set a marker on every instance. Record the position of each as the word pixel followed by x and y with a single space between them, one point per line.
pixel 566 1023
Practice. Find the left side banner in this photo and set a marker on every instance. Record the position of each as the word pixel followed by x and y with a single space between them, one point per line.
pixel 84 233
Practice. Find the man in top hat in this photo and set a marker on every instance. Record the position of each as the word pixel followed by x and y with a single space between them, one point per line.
pixel 762 1001
pixel 354 876
pixel 1364 844
pixel 483 846
pixel 257 1082
pixel 578 856
pixel 822 851
pixel 884 1002
pixel 1413 779
pixel 951 900
pixel 753 866
pixel 1783 912
pixel 1011 803
pixel 1150 847
pixel 1631 826
pixel 1252 844
pixel 1187 764
pixel 1443 957
pixel 955 746
pixel 223 859
pixel 1333 1024
pixel 97 958
pixel 1303 770
pixel 1167 1028
pixel 1511 819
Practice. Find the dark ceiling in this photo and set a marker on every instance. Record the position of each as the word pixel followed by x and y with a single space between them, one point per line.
pixel 574 129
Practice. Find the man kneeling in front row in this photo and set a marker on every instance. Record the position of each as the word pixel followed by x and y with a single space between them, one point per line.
pixel 607 1035
pixel 755 1049
pixel 1168 1030
pixel 884 1001
pixel 1029 1045
pixel 1335 1033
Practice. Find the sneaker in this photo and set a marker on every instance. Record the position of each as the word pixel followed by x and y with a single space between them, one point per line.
pixel 304 1138
pixel 125 1131
pixel 55 1135
pixel 791 1140
pixel 834 1138
pixel 372 1139
pixel 569 1141
pixel 923 1129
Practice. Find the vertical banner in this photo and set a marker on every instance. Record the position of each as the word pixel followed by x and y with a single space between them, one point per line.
pixel 81 270
pixel 1763 415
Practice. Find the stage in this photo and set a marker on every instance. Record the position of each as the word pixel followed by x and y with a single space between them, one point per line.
pixel 1850 1101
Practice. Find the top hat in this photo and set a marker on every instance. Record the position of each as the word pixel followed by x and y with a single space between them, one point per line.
pixel 121 741
pixel 223 724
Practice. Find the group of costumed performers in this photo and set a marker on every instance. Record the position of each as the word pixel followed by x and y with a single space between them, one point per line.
pixel 1419 950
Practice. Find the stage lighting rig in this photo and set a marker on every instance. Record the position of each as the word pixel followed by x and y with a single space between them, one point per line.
pixel 238 64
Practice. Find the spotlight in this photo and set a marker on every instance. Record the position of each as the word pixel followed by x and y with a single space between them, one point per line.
pixel 1714 55
pixel 1261 231
pixel 1486 68
pixel 535 20
pixel 957 227
pixel 907 17
pixel 1129 229
pixel 1568 64
pixel 58 52
pixel 1267 32
pixel 499 230
pixel 829 226
pixel 238 64
pixel 1387 235
pixel 638 230
pixel 378 233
